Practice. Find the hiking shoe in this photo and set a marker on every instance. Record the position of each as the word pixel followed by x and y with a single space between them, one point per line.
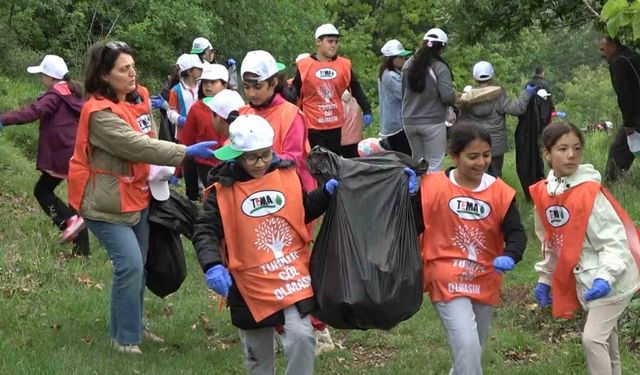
pixel 324 343
pixel 129 349
pixel 148 335
pixel 73 226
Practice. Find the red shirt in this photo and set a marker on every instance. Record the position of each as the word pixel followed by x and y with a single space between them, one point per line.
pixel 199 128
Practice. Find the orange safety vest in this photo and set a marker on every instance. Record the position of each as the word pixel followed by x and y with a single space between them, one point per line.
pixel 280 117
pixel 133 188
pixel 323 83
pixel 267 244
pixel 461 239
pixel 566 216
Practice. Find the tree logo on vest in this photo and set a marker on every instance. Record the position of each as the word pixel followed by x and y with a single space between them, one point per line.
pixel 557 216
pixel 274 234
pixel 554 243
pixel 470 240
pixel 326 74
pixel 263 203
pixel 144 122
pixel 327 91
pixel 468 208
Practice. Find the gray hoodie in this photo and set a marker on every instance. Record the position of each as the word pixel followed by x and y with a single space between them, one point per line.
pixel 428 107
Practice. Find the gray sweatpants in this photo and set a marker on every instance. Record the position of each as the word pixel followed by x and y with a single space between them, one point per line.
pixel 298 341
pixel 467 324
pixel 428 141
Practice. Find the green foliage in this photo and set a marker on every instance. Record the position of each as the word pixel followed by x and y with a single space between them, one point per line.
pixel 623 18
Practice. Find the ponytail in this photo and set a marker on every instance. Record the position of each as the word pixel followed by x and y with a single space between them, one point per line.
pixel 233 115
pixel 421 63
pixel 74 86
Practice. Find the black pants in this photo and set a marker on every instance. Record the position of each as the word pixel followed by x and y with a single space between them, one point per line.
pixel 495 168
pixel 190 174
pixel 57 210
pixel 620 157
pixel 398 142
pixel 349 151
pixel 203 173
pixel 329 139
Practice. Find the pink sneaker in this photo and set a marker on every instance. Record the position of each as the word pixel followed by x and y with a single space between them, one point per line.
pixel 74 225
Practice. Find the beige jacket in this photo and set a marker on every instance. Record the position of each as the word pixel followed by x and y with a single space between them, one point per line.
pixel 605 251
pixel 113 144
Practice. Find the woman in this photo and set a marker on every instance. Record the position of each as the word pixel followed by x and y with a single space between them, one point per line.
pixel 390 96
pixel 58 110
pixel 427 91
pixel 108 179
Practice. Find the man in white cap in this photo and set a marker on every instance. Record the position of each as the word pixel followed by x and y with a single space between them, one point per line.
pixel 319 83
pixel 259 208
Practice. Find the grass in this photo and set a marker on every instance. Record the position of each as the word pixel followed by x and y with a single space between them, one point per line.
pixel 54 307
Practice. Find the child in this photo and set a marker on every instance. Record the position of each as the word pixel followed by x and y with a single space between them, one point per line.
pixel 225 107
pixel 259 208
pixel 58 110
pixel 472 234
pixel 204 50
pixel 352 126
pixel 199 125
pixel 593 267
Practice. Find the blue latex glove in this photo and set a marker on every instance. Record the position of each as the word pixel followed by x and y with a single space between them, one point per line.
pixel 561 114
pixel 543 294
pixel 503 263
pixel 413 180
pixel 531 89
pixel 367 119
pixel 331 185
pixel 173 180
pixel 157 101
pixel 201 150
pixel 231 62
pixel 599 289
pixel 219 279
pixel 181 120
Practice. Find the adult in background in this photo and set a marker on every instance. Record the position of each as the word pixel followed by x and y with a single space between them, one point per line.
pixel 58 110
pixel 624 68
pixel 427 91
pixel 486 106
pixel 390 96
pixel 319 83
pixel 538 79
pixel 108 179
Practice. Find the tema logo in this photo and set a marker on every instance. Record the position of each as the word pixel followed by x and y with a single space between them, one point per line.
pixel 326 73
pixel 144 122
pixel 557 216
pixel 469 208
pixel 263 203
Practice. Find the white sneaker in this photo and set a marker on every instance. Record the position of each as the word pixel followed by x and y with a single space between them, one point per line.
pixel 148 335
pixel 129 349
pixel 324 343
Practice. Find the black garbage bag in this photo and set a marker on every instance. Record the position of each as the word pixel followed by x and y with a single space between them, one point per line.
pixel 366 266
pixel 166 267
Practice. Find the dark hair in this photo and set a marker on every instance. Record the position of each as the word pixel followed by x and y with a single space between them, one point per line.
pixel 271 81
pixel 465 132
pixel 556 130
pixel 101 60
pixel 174 78
pixel 201 90
pixel 387 64
pixel 74 86
pixel 539 70
pixel 321 37
pixel 421 62
pixel 614 41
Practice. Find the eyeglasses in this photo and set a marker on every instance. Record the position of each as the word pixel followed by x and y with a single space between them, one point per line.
pixel 117 45
pixel 253 159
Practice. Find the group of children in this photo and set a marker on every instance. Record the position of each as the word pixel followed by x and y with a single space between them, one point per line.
pixel 252 235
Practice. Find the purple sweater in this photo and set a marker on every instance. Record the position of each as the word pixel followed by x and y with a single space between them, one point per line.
pixel 58 110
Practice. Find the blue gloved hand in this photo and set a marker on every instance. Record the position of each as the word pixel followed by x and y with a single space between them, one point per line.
pixel 181 120
pixel 173 180
pixel 367 119
pixel 331 185
pixel 219 279
pixel 543 294
pixel 599 289
pixel 157 101
pixel 531 89
pixel 561 114
pixel 231 62
pixel 201 150
pixel 503 263
pixel 413 180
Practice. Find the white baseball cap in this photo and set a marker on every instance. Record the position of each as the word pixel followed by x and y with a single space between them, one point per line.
pixel 52 65
pixel 326 29
pixel 394 48
pixel 224 102
pixel 483 71
pixel 302 56
pixel 200 45
pixel 188 61
pixel 260 63
pixel 159 176
pixel 246 133
pixel 212 72
pixel 436 35
pixel 543 93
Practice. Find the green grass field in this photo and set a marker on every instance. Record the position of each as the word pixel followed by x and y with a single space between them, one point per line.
pixel 54 307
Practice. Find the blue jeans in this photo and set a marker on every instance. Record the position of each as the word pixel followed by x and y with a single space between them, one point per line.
pixel 127 246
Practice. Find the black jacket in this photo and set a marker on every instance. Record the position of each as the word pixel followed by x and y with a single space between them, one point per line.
pixel 625 77
pixel 209 234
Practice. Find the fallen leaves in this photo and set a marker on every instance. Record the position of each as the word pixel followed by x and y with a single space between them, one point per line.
pixel 85 280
